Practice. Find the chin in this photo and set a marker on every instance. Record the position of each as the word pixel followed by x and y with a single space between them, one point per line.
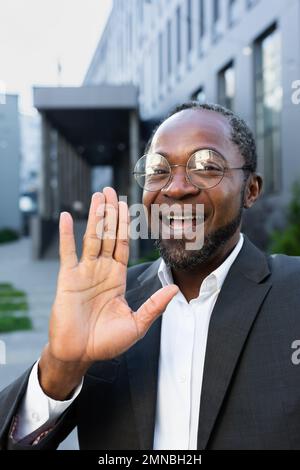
pixel 176 256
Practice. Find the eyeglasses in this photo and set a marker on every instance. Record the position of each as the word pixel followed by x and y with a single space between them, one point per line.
pixel 205 169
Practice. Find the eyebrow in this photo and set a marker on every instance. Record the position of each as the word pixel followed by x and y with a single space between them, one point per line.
pixel 197 150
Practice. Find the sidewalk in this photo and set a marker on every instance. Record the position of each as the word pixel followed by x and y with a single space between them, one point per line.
pixel 38 280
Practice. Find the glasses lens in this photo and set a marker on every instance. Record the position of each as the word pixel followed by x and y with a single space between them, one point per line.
pixel 205 169
pixel 152 172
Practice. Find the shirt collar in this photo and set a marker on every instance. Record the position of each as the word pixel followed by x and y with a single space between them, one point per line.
pixel 214 280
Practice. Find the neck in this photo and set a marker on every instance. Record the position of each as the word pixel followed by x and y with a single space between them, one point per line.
pixel 189 282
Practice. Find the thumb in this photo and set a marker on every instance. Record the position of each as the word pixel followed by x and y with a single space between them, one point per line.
pixel 153 307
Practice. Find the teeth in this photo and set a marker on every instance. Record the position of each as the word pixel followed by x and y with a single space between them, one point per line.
pixel 178 217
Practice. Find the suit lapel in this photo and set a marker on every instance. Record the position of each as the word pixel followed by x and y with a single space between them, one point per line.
pixel 142 360
pixel 236 308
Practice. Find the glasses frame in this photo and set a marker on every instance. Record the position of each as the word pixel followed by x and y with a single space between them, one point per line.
pixel 226 169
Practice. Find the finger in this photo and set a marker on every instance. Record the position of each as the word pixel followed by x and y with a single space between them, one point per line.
pixel 93 234
pixel 153 307
pixel 121 253
pixel 110 222
pixel 67 248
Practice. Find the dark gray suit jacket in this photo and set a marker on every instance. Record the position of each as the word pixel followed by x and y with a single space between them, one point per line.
pixel 251 388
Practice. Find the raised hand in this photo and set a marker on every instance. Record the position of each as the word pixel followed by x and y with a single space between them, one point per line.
pixel 90 318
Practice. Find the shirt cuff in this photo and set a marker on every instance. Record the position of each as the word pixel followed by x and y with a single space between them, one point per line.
pixel 37 408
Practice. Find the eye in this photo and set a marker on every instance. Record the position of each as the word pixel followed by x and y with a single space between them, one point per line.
pixel 208 167
pixel 156 171
pixel 211 167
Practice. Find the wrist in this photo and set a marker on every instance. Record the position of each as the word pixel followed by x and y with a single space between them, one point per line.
pixel 58 379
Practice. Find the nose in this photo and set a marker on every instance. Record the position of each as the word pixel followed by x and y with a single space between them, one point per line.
pixel 179 186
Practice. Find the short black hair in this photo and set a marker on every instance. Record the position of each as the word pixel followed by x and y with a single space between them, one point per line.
pixel 241 134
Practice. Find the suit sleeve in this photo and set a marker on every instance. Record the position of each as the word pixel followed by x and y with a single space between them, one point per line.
pixel 10 401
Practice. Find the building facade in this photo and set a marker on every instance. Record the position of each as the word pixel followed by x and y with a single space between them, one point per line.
pixel 243 54
pixel 9 163
pixel 89 137
pixel 30 132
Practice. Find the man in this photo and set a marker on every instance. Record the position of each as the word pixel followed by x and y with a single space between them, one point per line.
pixel 215 371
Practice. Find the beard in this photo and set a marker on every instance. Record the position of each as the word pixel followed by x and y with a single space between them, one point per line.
pixel 176 256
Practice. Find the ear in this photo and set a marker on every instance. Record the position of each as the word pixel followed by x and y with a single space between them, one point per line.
pixel 253 190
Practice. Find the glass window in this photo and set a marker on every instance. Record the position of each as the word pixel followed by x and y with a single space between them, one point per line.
pixel 140 4
pixel 169 43
pixel 216 18
pixel 268 95
pixel 201 19
pixel 161 58
pixel 216 10
pixel 232 12
pixel 226 86
pixel 189 25
pixel 178 28
pixel 130 32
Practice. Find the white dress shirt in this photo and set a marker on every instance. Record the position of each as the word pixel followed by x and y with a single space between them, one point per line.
pixel 182 352
pixel 184 333
pixel 37 408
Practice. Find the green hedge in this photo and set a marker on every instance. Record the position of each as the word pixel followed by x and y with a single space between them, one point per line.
pixel 9 324
pixel 13 309
pixel 8 235
pixel 288 241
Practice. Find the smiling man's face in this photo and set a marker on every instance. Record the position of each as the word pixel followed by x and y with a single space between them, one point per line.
pixel 177 139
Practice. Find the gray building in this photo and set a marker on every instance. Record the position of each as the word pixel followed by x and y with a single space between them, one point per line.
pixel 244 54
pixel 9 163
pixel 30 131
pixel 90 137
pixel 152 55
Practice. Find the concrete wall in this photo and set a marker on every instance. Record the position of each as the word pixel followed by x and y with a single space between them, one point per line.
pixel 9 163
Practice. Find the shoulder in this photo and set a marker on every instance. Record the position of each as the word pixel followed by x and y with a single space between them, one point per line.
pixel 285 264
pixel 285 268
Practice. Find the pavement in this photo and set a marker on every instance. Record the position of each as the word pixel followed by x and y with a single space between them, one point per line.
pixel 38 280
